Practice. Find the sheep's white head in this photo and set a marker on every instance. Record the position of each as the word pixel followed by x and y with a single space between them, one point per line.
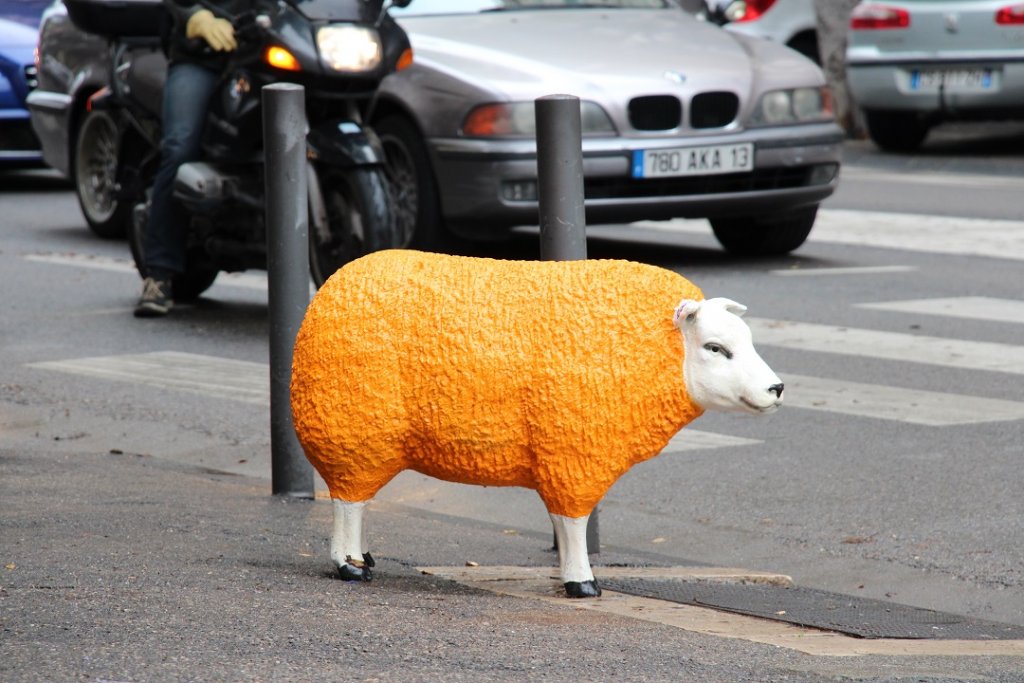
pixel 722 370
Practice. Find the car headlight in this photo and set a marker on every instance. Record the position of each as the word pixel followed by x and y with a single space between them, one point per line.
pixel 349 48
pixel 518 120
pixel 799 105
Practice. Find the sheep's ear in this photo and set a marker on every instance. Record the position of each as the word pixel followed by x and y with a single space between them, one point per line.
pixel 731 306
pixel 686 311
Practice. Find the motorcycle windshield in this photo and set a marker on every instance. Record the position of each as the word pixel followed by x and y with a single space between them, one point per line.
pixel 356 11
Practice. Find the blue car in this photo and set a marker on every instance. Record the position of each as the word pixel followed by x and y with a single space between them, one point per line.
pixel 19 24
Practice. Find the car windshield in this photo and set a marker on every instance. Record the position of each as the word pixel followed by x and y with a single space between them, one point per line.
pixel 428 7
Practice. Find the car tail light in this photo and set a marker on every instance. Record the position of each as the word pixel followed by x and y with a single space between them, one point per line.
pixel 1012 15
pixel 752 10
pixel 871 17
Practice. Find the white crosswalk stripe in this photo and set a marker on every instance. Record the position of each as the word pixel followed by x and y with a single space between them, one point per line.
pixel 912 232
pixel 852 270
pixel 893 403
pixel 198 374
pixel 968 307
pixel 906 348
pixel 255 280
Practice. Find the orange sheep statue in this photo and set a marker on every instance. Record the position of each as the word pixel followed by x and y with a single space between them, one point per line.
pixel 554 375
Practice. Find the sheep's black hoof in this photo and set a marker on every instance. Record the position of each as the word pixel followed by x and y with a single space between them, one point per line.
pixel 582 589
pixel 368 560
pixel 350 572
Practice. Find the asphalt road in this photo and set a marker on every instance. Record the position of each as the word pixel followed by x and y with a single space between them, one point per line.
pixel 893 472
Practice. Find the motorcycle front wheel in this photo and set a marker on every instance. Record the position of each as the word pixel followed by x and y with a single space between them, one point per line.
pixel 350 215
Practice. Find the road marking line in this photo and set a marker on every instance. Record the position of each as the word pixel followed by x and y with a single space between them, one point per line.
pixel 907 348
pixel 892 403
pixel 696 440
pixel 207 375
pixel 854 270
pixel 535 584
pixel 939 234
pixel 911 232
pixel 115 265
pixel 960 181
pixel 968 307
pixel 119 265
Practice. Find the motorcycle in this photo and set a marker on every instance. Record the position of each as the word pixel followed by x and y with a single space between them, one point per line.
pixel 339 50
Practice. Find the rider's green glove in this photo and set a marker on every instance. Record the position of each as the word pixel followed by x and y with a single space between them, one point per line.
pixel 218 33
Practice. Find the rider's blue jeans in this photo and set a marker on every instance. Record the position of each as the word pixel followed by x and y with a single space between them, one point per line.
pixel 187 93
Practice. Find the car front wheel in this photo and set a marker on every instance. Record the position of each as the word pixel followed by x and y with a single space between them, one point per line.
pixel 896 131
pixel 95 176
pixel 765 235
pixel 413 186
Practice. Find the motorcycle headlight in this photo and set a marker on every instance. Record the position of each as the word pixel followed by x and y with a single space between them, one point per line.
pixel 349 48
pixel 517 119
pixel 800 105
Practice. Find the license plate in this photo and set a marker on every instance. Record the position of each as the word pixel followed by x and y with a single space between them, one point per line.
pixel 952 80
pixel 683 161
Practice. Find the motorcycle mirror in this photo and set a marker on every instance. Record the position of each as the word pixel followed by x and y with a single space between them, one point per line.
pixel 400 4
pixel 735 11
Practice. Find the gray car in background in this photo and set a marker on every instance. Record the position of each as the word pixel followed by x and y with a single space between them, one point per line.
pixel 680 119
pixel 790 22
pixel 912 64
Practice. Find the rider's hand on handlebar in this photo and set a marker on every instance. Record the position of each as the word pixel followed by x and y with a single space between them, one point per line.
pixel 218 33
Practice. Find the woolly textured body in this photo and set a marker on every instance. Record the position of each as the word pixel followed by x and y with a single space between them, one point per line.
pixel 555 376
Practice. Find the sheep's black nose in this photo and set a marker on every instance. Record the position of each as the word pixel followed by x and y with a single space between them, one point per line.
pixel 776 389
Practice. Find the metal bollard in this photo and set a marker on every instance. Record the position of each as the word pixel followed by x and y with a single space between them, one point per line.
pixel 563 234
pixel 560 179
pixel 287 218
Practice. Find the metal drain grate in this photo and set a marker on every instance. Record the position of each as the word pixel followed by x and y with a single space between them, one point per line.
pixel 861 617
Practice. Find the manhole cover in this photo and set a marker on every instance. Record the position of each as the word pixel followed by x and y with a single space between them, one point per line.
pixel 847 614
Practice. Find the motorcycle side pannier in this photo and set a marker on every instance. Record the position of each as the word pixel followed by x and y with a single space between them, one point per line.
pixel 114 18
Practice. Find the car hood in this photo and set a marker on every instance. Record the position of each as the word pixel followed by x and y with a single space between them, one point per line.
pixel 582 52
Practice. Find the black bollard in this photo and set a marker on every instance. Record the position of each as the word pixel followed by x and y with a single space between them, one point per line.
pixel 563 234
pixel 287 217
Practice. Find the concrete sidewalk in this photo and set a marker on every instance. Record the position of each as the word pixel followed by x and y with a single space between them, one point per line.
pixel 119 567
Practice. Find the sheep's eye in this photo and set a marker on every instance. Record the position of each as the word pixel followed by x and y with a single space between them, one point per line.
pixel 718 348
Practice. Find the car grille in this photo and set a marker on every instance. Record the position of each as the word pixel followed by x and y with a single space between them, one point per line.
pixel 713 109
pixel 665 112
pixel 655 112
pixel 763 179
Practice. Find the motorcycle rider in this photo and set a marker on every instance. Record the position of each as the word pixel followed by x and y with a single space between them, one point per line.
pixel 199 43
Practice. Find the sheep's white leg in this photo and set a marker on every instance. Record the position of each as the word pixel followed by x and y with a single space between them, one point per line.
pixel 577 576
pixel 348 548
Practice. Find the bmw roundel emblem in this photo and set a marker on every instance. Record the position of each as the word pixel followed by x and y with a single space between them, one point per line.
pixel 675 76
